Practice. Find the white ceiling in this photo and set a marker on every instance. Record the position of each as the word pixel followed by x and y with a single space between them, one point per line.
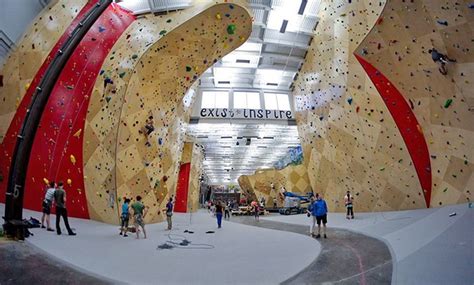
pixel 269 59
pixel 225 161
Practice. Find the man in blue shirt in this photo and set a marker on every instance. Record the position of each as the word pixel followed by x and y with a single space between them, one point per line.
pixel 319 211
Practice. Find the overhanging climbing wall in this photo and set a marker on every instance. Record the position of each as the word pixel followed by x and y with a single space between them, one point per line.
pixel 397 48
pixel 293 177
pixel 90 134
pixel 350 140
pixel 147 73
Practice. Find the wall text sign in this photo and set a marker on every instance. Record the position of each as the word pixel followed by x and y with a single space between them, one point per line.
pixel 225 113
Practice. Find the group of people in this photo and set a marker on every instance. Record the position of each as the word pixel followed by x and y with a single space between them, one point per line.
pixel 318 210
pixel 139 213
pixel 55 195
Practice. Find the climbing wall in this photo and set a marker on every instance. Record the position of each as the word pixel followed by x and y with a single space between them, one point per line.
pixel 57 148
pixel 194 182
pixel 294 178
pixel 32 50
pixel 148 73
pixel 397 48
pixel 23 69
pixel 349 137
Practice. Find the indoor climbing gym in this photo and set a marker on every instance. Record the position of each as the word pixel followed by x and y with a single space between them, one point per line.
pixel 237 142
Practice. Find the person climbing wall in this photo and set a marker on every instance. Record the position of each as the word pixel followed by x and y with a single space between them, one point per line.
pixel 442 59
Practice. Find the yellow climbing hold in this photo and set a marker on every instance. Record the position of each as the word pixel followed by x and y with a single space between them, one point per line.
pixel 46 181
pixel 27 85
pixel 73 159
pixel 69 182
pixel 218 16
pixel 78 133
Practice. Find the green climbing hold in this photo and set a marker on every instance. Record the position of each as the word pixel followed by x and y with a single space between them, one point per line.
pixel 188 68
pixel 134 56
pixel 162 32
pixel 400 160
pixel 122 74
pixel 231 29
pixel 168 21
pixel 382 168
pixel 445 189
pixel 108 98
pixel 448 103
pixel 465 162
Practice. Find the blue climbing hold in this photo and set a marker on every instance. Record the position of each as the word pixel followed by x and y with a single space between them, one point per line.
pixel 442 22
pixel 101 29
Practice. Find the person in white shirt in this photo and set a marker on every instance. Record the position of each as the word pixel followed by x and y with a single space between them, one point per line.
pixel 47 203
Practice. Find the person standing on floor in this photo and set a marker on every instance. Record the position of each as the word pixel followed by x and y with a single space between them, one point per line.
pixel 169 213
pixel 125 217
pixel 47 204
pixel 319 209
pixel 138 215
pixel 349 205
pixel 60 201
pixel 219 212
pixel 257 211
pixel 227 211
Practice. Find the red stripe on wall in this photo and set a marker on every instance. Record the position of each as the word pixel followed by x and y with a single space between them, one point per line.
pixel 57 152
pixel 8 144
pixel 407 124
pixel 181 201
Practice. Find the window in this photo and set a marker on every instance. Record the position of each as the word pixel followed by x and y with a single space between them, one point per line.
pixel 246 100
pixel 215 99
pixel 283 102
pixel 277 101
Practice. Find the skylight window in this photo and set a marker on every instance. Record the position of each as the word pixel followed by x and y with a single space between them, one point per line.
pixel 215 99
pixel 277 101
pixel 246 100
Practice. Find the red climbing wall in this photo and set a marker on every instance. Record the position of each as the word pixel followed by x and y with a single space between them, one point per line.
pixel 57 149
pixel 407 124
pixel 181 200
pixel 8 144
pixel 58 146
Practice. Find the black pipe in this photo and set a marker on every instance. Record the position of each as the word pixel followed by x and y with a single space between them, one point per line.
pixel 25 138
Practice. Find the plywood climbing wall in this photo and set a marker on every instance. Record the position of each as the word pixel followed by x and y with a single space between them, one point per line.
pixel 293 178
pixel 397 47
pixel 148 73
pixel 32 50
pixel 194 178
pixel 350 140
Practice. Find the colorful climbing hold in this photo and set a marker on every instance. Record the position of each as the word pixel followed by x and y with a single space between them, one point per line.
pixel 231 29
pixel 77 134
pixel 73 159
pixel 448 103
